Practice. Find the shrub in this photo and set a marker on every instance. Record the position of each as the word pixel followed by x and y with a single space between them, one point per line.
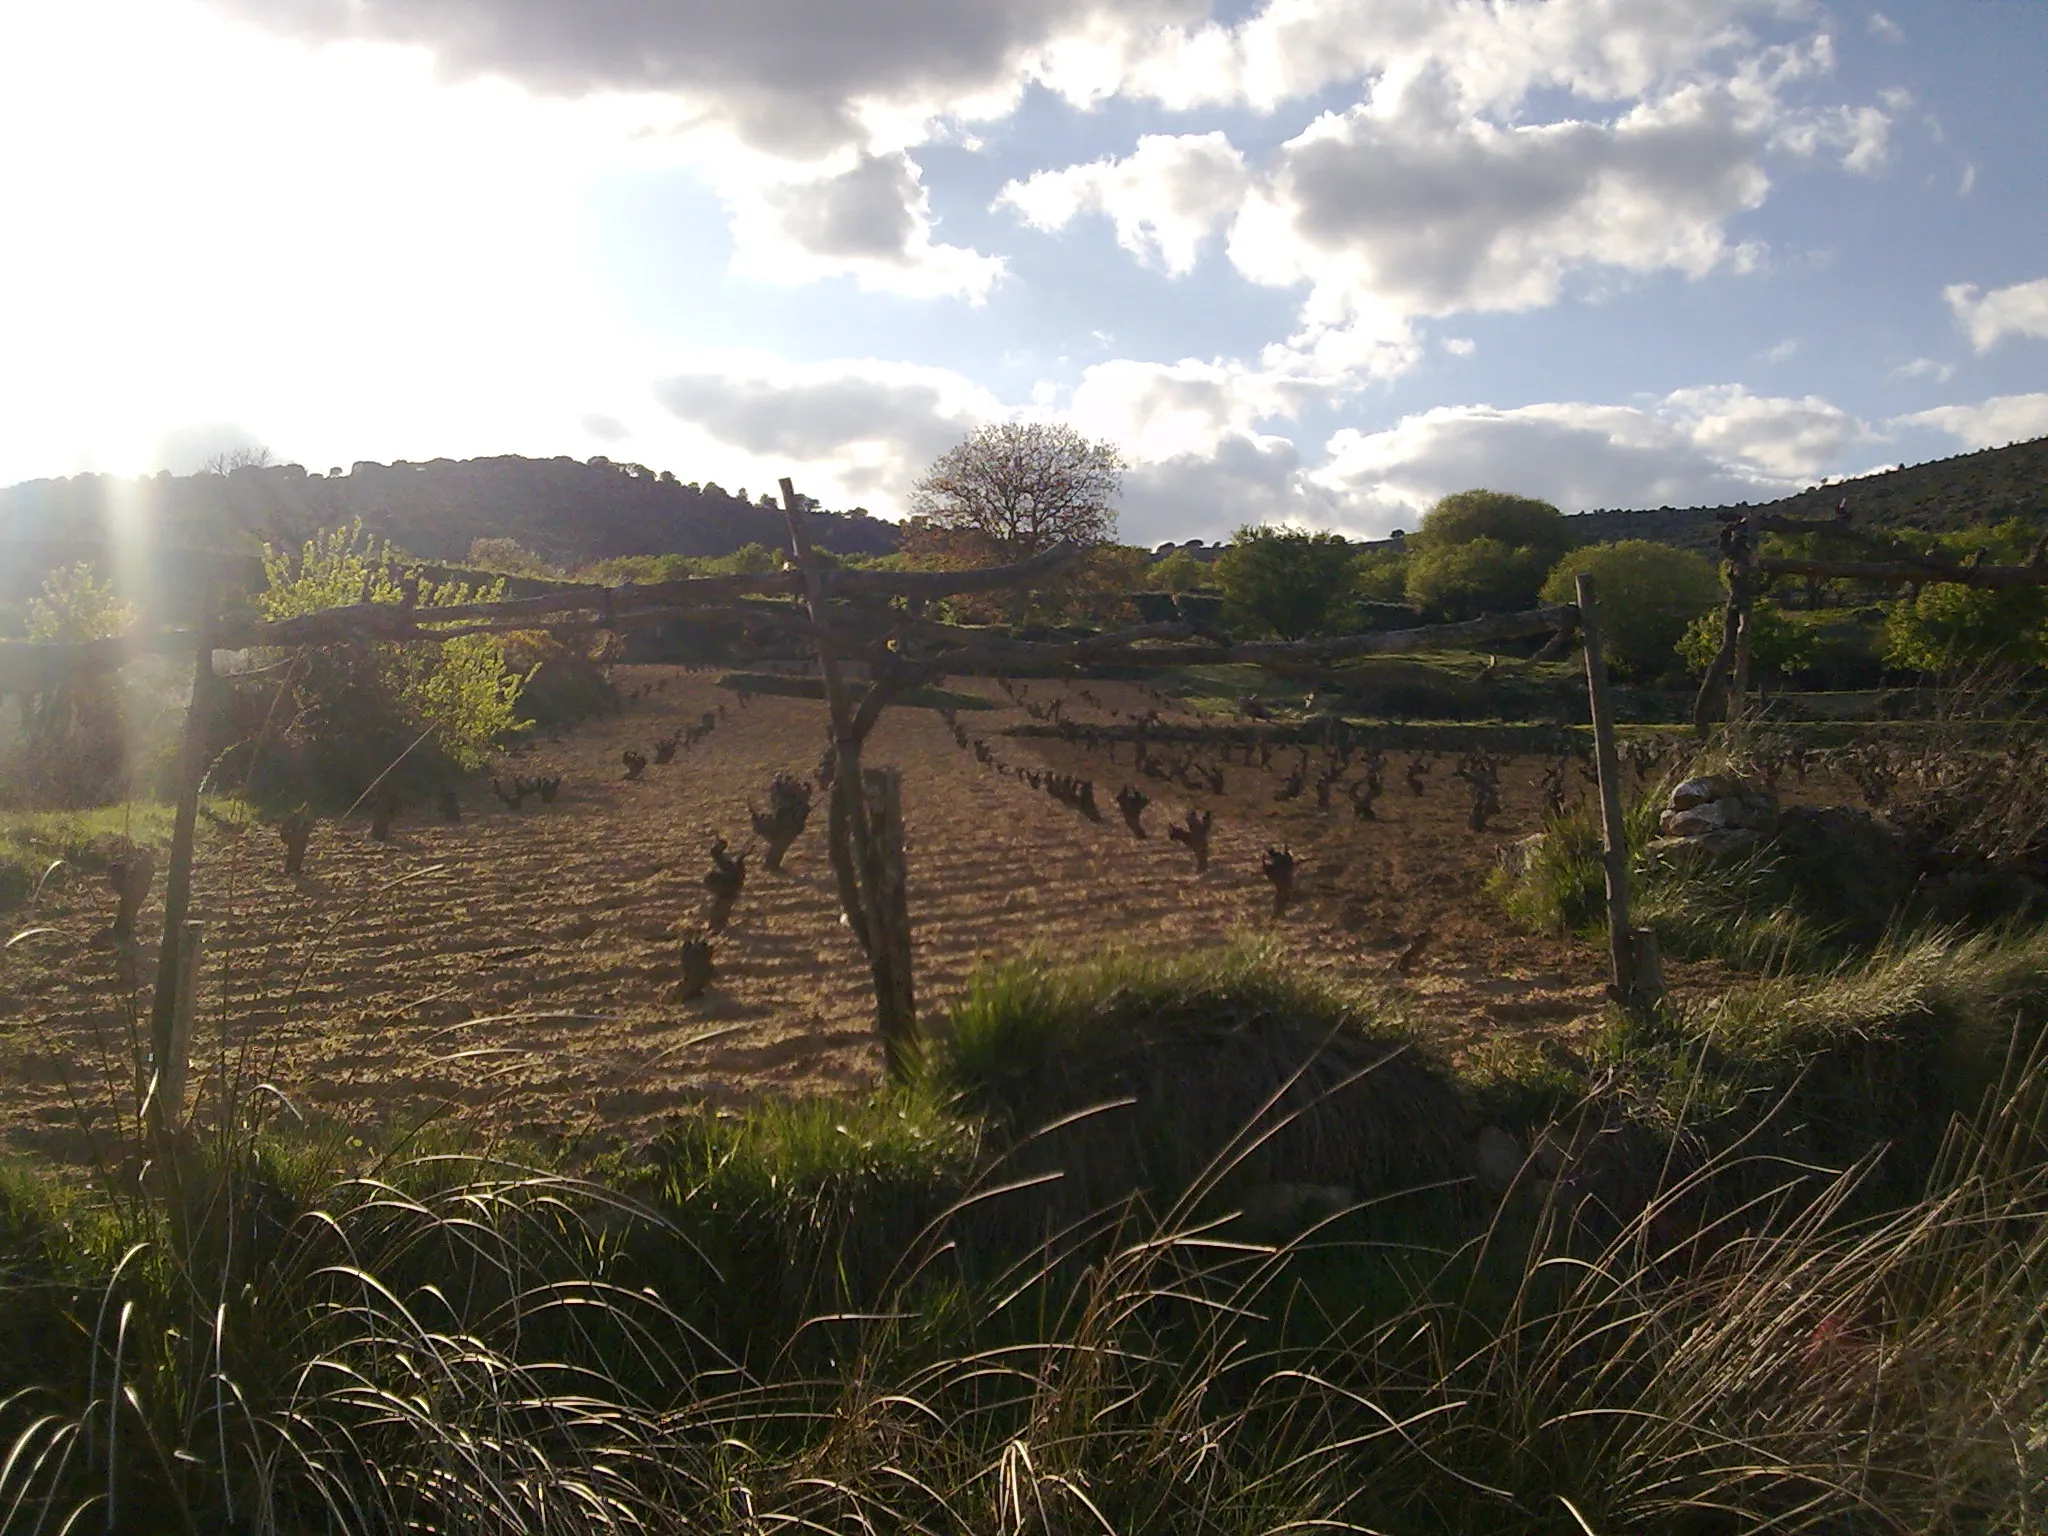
pixel 1519 522
pixel 1778 644
pixel 358 709
pixel 1285 581
pixel 1649 594
pixel 73 750
pixel 1483 552
pixel 1204 1047
pixel 1484 575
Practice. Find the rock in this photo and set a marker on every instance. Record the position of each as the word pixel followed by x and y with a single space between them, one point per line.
pixel 1699 791
pixel 1514 858
pixel 1694 822
pixel 1497 1158
pixel 1714 843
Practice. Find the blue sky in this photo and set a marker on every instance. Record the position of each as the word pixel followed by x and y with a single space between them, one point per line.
pixel 1306 260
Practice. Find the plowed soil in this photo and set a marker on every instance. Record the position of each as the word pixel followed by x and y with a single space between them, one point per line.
pixel 514 970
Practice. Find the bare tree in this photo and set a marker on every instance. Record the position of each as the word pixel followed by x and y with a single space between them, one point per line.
pixel 228 460
pixel 1024 486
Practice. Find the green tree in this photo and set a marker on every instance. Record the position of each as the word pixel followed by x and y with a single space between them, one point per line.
pixel 1381 575
pixel 1285 580
pixel 1483 575
pixel 1649 594
pixel 1179 572
pixel 1778 645
pixel 1946 625
pixel 1520 522
pixel 1483 551
pixel 361 707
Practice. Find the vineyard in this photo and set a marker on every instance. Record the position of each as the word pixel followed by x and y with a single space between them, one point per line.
pixel 518 969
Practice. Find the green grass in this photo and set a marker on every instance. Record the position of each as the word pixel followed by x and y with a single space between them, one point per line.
pixel 873 1316
pixel 1159 1076
pixel 37 845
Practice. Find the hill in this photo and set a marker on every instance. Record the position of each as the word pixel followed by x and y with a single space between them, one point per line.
pixel 1969 490
pixel 569 512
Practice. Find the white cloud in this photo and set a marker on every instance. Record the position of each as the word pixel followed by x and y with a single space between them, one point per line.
pixel 851 431
pixel 1402 205
pixel 1925 368
pixel 1494 55
pixel 799 79
pixel 1695 447
pixel 1967 181
pixel 1882 26
pixel 2020 310
pixel 1246 478
pixel 871 220
pixel 1460 346
pixel 1786 438
pixel 1780 352
pixel 1164 198
pixel 1989 423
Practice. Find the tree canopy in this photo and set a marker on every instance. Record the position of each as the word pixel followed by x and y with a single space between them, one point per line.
pixel 1483 551
pixel 1023 487
pixel 1483 575
pixel 1286 580
pixel 1649 595
pixel 1519 522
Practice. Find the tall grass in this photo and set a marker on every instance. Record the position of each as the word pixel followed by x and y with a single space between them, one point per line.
pixel 860 1318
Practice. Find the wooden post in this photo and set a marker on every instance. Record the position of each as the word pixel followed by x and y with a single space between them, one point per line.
pixel 1613 828
pixel 163 1013
pixel 172 1070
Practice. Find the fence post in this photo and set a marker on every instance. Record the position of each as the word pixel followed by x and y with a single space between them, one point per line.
pixel 163 1013
pixel 1613 826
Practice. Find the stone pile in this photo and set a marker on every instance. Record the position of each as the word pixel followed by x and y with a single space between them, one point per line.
pixel 1717 815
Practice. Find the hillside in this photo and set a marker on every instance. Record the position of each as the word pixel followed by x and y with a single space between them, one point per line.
pixel 1966 491
pixel 567 511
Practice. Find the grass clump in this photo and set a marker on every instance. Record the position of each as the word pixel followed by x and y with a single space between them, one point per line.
pixel 1144 1075
pixel 40 845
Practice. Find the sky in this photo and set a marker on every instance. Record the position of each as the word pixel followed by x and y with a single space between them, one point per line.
pixel 1304 261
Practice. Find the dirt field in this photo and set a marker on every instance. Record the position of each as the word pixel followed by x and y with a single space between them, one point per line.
pixel 512 970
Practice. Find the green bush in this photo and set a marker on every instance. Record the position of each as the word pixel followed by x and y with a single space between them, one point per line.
pixel 1285 581
pixel 1779 644
pixel 358 709
pixel 1237 1070
pixel 74 746
pixel 1463 581
pixel 1648 593
pixel 1518 522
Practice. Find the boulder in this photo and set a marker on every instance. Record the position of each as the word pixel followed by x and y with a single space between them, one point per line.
pixel 1706 788
pixel 1514 858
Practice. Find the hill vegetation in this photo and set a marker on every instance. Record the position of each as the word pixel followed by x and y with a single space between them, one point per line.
pixel 567 512
pixel 1971 490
